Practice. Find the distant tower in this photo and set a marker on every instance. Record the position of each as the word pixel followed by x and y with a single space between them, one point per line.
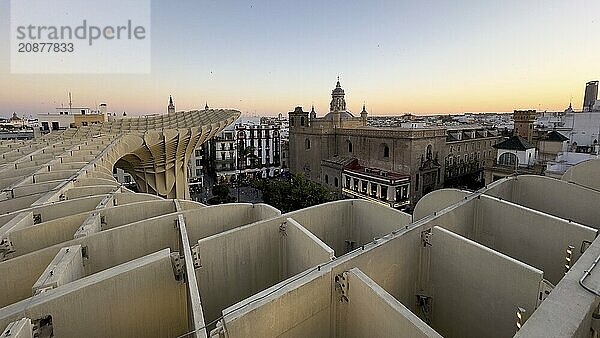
pixel 313 114
pixel 363 115
pixel 103 109
pixel 171 108
pixel 524 120
pixel 591 95
pixel 298 118
pixel 206 106
pixel 338 103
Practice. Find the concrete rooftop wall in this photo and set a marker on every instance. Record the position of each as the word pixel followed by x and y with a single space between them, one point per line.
pixel 436 201
pixel 476 291
pixel 568 309
pixel 140 298
pixel 303 249
pixel 529 236
pixel 554 197
pixel 105 249
pixel 208 221
pixel 331 222
pixel 459 219
pixel 357 221
pixel 46 234
pixel 372 312
pixel 115 246
pixel 584 173
pixel 79 192
pixel 19 274
pixel 241 262
pixel 370 220
pixel 129 213
pixel 301 309
pixel 395 265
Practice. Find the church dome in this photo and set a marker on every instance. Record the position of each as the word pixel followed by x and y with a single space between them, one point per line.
pixel 343 115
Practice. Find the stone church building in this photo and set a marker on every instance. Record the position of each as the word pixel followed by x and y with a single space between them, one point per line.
pixel 394 166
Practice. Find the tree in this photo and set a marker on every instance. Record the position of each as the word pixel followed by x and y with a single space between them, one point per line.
pixel 295 193
pixel 220 195
pixel 243 154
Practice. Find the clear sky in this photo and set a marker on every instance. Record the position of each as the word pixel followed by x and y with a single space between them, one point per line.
pixel 398 56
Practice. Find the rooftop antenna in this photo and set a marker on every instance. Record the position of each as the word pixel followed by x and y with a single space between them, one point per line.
pixel 70 102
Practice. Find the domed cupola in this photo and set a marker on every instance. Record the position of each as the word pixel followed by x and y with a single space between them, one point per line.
pixel 338 103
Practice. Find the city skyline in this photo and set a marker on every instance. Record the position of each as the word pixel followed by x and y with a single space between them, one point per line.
pixel 395 56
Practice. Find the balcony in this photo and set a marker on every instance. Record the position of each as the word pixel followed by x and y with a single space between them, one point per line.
pixel 463 169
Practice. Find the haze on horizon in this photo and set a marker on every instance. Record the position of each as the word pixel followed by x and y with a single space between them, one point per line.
pixel 397 56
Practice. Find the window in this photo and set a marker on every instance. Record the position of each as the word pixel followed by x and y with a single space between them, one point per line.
pixel 347 182
pixel 385 151
pixel 384 191
pixel 307 144
pixel 349 146
pixel 198 153
pixel 429 152
pixel 336 182
pixel 326 179
pixel 374 189
pixel 197 163
pixel 302 120
pixel 222 156
pixel 198 172
pixel 399 194
pixel 508 159
pixel 364 186
pixel 355 181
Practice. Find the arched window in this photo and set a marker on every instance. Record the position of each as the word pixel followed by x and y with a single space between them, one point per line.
pixel 508 159
pixel 326 179
pixel 429 152
pixel 307 144
pixel 302 121
pixel 385 149
pixel 349 146
pixel 336 182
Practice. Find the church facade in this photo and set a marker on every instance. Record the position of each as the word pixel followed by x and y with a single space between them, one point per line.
pixel 328 150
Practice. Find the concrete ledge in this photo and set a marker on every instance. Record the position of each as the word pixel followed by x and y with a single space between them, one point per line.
pixel 19 329
pixel 66 267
